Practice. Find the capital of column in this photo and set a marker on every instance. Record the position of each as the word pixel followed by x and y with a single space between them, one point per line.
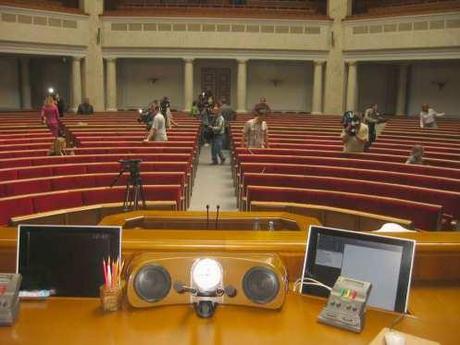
pixel 242 61
pixel 319 62
pixel 188 60
pixel 352 63
pixel 110 59
pixel 76 58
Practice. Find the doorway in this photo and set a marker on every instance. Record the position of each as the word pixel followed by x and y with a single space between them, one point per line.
pixel 218 81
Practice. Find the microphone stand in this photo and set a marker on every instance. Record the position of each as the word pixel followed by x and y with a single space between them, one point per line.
pixel 217 216
pixel 207 217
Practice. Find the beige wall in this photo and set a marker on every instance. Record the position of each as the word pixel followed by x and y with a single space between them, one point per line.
pixel 135 87
pixel 420 31
pixel 424 89
pixel 213 41
pixel 9 83
pixel 377 84
pixel 294 84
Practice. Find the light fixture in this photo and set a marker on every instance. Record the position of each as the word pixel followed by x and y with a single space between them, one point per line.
pixel 206 275
pixel 50 90
pixel 140 111
pixel 439 83
pixel 153 80
pixel 275 82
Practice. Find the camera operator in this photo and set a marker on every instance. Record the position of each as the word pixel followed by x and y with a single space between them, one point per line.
pixel 218 136
pixel 146 115
pixel 158 129
pixel 165 109
pixel 371 119
pixel 355 134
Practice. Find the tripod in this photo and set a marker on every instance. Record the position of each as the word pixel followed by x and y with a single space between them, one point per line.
pixel 134 192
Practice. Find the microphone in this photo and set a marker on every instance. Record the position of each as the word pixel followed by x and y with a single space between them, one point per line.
pixel 217 215
pixel 207 217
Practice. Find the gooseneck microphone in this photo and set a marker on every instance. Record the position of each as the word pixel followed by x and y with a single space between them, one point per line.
pixel 207 217
pixel 217 215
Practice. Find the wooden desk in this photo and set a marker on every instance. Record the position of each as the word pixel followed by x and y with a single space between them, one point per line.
pixel 81 321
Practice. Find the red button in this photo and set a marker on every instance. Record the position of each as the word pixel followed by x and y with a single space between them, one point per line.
pixel 353 295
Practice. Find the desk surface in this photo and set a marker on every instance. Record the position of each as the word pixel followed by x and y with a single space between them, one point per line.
pixel 81 321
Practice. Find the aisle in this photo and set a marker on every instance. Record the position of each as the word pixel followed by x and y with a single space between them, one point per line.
pixel 213 184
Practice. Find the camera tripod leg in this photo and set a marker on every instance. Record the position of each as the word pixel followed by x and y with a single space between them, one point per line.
pixel 141 190
pixel 127 202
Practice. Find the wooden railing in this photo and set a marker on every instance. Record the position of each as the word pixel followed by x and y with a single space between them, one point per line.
pixel 382 7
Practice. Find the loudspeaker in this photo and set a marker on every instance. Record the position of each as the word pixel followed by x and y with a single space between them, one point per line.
pixel 158 279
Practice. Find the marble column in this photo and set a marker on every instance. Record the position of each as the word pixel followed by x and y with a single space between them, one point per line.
pixel 402 90
pixel 241 86
pixel 76 83
pixel 26 100
pixel 188 83
pixel 111 84
pixel 317 99
pixel 352 86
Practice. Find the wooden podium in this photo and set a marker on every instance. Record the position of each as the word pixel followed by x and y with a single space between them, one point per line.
pixel 433 305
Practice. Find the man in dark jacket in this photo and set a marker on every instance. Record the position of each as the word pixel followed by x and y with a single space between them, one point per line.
pixel 85 108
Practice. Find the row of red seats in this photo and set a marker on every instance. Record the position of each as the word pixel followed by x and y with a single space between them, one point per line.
pixel 50 201
pixel 449 200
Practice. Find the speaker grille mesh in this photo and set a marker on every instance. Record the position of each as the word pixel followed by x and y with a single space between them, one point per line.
pixel 260 285
pixel 152 283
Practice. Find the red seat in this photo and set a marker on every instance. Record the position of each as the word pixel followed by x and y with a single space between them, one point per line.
pixel 416 180
pixel 424 216
pixel 22 187
pixel 32 172
pixel 14 207
pixel 57 200
pixel 449 200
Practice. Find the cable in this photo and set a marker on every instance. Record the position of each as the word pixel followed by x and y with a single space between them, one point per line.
pixel 309 281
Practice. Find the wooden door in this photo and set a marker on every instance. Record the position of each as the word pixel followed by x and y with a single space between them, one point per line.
pixel 218 80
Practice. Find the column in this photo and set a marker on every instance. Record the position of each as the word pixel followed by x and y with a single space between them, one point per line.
pixel 334 88
pixel 352 86
pixel 402 90
pixel 26 102
pixel 76 82
pixel 188 83
pixel 93 67
pixel 241 86
pixel 317 99
pixel 111 87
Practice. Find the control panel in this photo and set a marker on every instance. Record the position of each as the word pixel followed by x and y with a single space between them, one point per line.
pixel 346 305
pixel 9 299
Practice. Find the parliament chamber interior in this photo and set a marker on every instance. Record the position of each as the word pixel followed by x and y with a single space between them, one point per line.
pixel 230 172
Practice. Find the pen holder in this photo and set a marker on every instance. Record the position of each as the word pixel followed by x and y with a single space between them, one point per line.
pixel 111 297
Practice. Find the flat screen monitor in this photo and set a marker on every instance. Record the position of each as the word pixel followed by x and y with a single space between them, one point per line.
pixel 66 260
pixel 386 262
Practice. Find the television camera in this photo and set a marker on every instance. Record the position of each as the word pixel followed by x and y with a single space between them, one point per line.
pixel 350 122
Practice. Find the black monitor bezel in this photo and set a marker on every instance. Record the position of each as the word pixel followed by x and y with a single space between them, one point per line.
pixel 22 228
pixel 407 260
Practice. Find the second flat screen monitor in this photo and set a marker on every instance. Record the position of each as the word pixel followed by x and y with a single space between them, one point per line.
pixel 385 262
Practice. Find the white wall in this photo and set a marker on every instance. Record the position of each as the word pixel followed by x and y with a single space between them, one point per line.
pixel 294 90
pixel 377 84
pixel 422 87
pixel 9 83
pixel 134 82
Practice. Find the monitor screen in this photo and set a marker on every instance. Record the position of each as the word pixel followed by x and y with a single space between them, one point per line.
pixel 386 262
pixel 65 259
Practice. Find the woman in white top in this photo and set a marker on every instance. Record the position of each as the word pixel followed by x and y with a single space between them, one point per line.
pixel 428 117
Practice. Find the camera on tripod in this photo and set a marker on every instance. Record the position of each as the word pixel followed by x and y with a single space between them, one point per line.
pixel 134 193
pixel 350 122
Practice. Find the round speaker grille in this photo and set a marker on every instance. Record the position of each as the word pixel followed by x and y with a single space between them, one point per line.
pixel 260 285
pixel 152 283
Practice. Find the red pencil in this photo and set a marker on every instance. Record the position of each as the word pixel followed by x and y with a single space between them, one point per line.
pixel 104 268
